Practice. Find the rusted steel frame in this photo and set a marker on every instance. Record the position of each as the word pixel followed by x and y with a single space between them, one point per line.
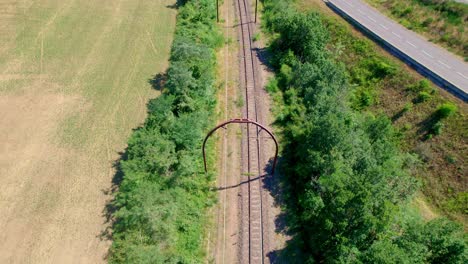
pixel 241 121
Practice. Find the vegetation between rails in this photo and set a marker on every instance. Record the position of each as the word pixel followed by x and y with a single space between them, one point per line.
pixel 383 85
pixel 164 193
pixel 348 183
pixel 442 21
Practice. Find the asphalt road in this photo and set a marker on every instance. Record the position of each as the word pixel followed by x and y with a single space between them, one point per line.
pixel 439 62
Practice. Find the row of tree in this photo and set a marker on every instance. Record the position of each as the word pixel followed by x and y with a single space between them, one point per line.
pixel 348 185
pixel 162 200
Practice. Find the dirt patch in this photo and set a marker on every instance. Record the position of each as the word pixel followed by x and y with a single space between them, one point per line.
pixel 30 168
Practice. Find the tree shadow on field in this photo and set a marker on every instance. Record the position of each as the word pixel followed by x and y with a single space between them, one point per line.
pixel 426 127
pixel 157 82
pixel 110 208
pixel 398 115
pixel 176 4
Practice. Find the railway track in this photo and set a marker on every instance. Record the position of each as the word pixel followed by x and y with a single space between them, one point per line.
pixel 252 246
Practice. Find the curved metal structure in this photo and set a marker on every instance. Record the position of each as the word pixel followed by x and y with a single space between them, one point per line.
pixel 242 121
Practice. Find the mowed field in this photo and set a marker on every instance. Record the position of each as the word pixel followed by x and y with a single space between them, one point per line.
pixel 74 82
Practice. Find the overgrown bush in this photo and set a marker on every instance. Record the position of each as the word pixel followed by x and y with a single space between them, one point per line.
pixel 421 86
pixel 437 128
pixel 161 204
pixel 446 110
pixel 423 97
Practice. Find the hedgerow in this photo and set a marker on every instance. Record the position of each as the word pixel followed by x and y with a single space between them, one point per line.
pixel 348 184
pixel 162 199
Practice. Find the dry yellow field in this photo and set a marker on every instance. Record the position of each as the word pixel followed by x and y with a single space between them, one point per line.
pixel 73 84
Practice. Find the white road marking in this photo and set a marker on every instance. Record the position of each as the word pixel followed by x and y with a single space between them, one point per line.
pixel 459 73
pixel 396 34
pixel 371 19
pixel 444 64
pixel 427 54
pixel 360 11
pixel 384 26
pixel 351 5
pixel 411 44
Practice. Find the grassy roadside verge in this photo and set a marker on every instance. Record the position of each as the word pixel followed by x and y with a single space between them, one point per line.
pixel 441 21
pixel 161 204
pixel 383 84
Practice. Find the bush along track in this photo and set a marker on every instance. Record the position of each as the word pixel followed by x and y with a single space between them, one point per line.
pixel 164 193
pixel 347 183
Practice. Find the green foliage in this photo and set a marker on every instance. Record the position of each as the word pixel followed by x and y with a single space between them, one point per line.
pixel 454 12
pixel 446 110
pixel 240 101
pixel 421 86
pixel 437 128
pixel 408 107
pixel 303 34
pixel 164 193
pixel 459 202
pixel 256 37
pixel 423 97
pixel 346 175
pixel 272 85
pixel 445 241
pixel 382 69
pixel 411 240
pixel 363 97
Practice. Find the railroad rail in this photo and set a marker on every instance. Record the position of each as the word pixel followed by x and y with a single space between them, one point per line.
pixel 253 238
pixel 255 245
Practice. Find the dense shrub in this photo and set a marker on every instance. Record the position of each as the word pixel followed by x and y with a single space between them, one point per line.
pixel 347 180
pixel 423 97
pixel 162 200
pixel 421 86
pixel 437 128
pixel 446 110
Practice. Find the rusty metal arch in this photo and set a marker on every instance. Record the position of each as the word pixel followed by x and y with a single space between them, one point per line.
pixel 241 121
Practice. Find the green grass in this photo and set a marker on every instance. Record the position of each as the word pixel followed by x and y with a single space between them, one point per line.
pixel 256 37
pixel 443 22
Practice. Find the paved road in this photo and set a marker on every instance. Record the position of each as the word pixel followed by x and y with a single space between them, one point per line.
pixel 442 66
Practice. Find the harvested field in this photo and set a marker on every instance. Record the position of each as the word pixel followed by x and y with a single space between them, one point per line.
pixel 74 82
